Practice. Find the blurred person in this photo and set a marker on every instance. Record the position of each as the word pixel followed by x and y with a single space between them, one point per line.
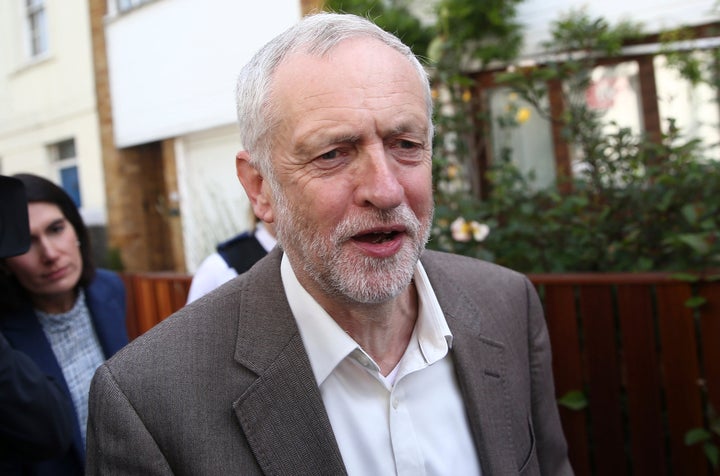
pixel 232 258
pixel 36 417
pixel 60 311
pixel 348 349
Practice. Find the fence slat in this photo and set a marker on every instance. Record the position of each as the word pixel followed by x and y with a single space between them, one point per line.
pixel 681 372
pixel 151 297
pixel 164 299
pixel 596 309
pixel 559 304
pixel 710 332
pixel 146 303
pixel 642 379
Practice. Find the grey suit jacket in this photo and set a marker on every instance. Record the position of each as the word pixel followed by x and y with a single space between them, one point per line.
pixel 224 386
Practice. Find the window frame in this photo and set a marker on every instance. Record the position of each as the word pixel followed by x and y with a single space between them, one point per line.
pixel 37 35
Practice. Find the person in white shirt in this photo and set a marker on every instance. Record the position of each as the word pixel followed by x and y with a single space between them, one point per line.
pixel 233 257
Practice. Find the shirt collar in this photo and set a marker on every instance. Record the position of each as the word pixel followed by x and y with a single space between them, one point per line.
pixel 327 344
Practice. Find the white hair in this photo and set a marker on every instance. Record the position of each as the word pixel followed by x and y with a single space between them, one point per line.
pixel 315 35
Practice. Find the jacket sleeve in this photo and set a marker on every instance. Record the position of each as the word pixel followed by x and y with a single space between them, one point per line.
pixel 550 441
pixel 36 417
pixel 118 442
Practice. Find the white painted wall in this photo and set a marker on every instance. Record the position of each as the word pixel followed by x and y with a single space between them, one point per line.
pixel 173 64
pixel 50 99
pixel 655 15
pixel 213 204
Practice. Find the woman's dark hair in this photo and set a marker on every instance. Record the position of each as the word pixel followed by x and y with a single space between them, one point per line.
pixel 38 189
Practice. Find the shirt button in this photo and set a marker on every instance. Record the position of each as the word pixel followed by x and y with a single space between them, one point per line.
pixel 395 403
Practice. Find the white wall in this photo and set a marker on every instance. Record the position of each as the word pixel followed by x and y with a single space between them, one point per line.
pixel 654 15
pixel 50 99
pixel 213 204
pixel 173 64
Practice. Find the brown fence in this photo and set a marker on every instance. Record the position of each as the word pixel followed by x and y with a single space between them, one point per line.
pixel 648 364
pixel 151 297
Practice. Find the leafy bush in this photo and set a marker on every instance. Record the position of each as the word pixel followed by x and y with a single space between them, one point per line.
pixel 641 207
pixel 634 204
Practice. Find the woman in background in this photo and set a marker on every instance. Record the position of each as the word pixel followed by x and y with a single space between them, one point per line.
pixel 61 311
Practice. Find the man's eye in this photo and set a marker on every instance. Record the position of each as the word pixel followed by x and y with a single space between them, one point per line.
pixel 406 145
pixel 333 154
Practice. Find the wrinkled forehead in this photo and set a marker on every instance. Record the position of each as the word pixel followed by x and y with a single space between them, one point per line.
pixel 353 62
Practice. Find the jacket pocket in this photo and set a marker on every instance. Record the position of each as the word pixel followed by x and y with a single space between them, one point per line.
pixel 529 464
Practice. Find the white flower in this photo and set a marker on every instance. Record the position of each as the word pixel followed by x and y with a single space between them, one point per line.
pixel 480 231
pixel 460 230
pixel 464 231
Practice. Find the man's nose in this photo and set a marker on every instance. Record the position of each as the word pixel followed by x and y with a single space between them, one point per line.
pixel 378 183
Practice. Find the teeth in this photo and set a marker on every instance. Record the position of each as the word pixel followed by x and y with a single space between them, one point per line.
pixel 382 236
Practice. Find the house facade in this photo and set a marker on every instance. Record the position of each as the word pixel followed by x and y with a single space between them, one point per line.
pixel 169 123
pixel 48 112
pixel 129 105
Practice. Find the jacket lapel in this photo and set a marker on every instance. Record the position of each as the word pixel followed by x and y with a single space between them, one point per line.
pixel 281 413
pixel 285 421
pixel 481 370
pixel 105 299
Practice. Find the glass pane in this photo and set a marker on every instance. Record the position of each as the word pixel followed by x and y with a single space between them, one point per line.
pixel 37 29
pixel 615 91
pixel 33 5
pixel 71 183
pixel 693 108
pixel 529 139
pixel 66 149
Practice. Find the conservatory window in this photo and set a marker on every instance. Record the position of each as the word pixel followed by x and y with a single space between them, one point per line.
pixel 518 130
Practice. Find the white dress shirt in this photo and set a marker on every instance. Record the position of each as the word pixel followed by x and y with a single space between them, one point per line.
pixel 411 422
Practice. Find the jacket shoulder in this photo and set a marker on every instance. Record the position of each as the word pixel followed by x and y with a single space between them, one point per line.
pixel 461 265
pixel 107 280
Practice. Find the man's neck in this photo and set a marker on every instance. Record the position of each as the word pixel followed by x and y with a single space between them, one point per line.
pixel 382 330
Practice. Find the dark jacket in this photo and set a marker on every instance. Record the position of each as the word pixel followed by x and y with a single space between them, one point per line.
pixel 105 298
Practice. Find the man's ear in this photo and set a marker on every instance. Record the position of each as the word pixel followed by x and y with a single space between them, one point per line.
pixel 256 188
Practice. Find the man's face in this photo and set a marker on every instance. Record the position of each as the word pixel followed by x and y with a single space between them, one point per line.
pixel 352 157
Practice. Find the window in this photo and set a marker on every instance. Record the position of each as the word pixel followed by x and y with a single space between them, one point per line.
pixel 36 27
pixel 693 108
pixel 64 158
pixel 126 5
pixel 529 141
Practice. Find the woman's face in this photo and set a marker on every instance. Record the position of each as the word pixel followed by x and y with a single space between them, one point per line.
pixel 51 268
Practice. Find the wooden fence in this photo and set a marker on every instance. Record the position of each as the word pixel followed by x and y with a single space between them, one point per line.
pixel 151 297
pixel 647 363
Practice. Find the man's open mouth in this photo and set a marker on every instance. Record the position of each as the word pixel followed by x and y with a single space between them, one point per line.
pixel 377 237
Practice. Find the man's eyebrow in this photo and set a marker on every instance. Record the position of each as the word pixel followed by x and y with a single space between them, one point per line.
pixel 313 142
pixel 408 128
